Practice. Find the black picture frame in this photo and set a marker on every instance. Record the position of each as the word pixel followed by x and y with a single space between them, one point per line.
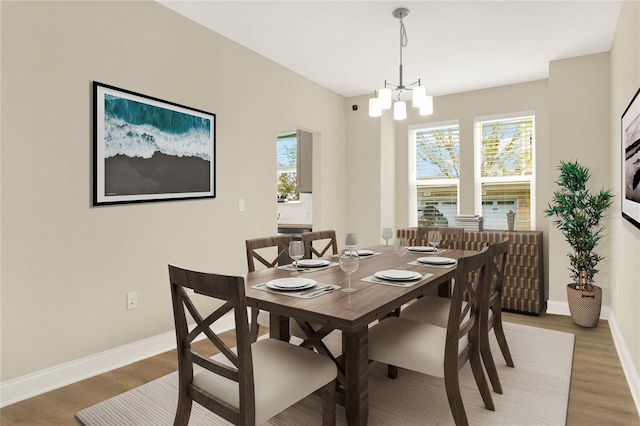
pixel 147 149
pixel 630 129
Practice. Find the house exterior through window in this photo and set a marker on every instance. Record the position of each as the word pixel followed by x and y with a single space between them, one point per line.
pixel 503 177
pixel 504 170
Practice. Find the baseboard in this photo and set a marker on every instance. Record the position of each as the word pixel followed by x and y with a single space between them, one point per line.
pixel 562 308
pixel 626 360
pixel 21 388
pixel 630 372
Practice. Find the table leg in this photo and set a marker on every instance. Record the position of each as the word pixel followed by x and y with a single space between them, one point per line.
pixel 279 327
pixel 356 387
pixel 444 289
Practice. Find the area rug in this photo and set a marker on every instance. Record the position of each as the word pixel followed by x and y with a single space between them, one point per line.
pixel 536 392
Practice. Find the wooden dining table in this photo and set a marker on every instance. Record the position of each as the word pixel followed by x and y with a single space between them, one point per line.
pixel 352 313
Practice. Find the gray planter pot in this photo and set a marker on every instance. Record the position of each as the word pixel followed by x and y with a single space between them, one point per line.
pixel 584 305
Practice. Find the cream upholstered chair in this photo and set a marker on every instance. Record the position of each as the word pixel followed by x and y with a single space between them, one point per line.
pixel 325 241
pixel 452 237
pixel 435 310
pixel 257 249
pixel 491 318
pixel 251 383
pixel 439 351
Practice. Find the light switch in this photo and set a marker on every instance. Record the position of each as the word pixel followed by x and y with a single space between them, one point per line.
pixel 241 205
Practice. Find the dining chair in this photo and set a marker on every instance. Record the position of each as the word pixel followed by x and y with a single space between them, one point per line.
pixel 452 237
pixel 325 241
pixel 257 249
pixel 252 382
pixel 435 310
pixel 439 351
pixel 491 317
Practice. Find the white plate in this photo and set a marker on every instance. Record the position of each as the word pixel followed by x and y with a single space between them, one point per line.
pixel 436 260
pixel 313 263
pixel 421 249
pixel 398 275
pixel 291 284
pixel 365 252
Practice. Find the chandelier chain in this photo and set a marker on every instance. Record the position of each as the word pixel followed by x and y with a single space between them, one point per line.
pixel 403 34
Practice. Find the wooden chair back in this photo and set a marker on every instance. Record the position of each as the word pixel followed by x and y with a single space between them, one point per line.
pixel 470 281
pixel 229 290
pixel 452 237
pixel 498 258
pixel 492 317
pixel 256 250
pixel 325 243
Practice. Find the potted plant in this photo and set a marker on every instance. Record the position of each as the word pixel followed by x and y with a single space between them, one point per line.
pixel 579 215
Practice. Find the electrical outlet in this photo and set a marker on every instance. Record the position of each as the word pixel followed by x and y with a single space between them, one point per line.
pixel 190 292
pixel 132 300
pixel 241 205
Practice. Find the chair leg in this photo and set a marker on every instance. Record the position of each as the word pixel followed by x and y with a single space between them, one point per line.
pixel 502 340
pixel 183 412
pixel 392 371
pixel 254 326
pixel 489 364
pixel 478 373
pixel 329 404
pixel 452 385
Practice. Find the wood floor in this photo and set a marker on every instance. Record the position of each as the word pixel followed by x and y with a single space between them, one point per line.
pixel 599 392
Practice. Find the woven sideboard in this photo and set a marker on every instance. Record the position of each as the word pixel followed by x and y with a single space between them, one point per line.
pixel 523 287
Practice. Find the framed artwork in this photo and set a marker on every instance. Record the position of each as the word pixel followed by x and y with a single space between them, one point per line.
pixel 146 149
pixel 631 161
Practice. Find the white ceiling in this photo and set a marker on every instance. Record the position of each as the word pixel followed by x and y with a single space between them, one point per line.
pixel 351 47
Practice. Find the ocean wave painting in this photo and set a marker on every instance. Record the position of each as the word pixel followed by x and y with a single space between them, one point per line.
pixel 148 150
pixel 136 129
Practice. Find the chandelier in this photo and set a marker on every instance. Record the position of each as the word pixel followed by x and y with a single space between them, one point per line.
pixel 384 96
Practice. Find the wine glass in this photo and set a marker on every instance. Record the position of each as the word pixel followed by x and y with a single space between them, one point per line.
pixel 400 248
pixel 387 234
pixel 351 240
pixel 434 239
pixel 349 263
pixel 296 252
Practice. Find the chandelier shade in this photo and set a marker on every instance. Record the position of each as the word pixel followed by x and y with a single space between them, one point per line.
pixel 385 95
pixel 400 110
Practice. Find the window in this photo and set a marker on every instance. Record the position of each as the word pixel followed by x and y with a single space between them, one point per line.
pixel 434 174
pixel 504 170
pixel 287 154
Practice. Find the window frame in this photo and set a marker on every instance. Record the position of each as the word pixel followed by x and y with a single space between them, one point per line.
pixel 479 180
pixel 414 182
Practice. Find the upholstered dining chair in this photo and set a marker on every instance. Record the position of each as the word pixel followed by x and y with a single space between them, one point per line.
pixel 258 248
pixel 491 318
pixel 277 250
pixel 435 310
pixel 439 351
pixel 325 243
pixel 252 382
pixel 452 237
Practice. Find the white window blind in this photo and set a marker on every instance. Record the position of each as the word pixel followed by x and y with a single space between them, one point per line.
pixel 434 174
